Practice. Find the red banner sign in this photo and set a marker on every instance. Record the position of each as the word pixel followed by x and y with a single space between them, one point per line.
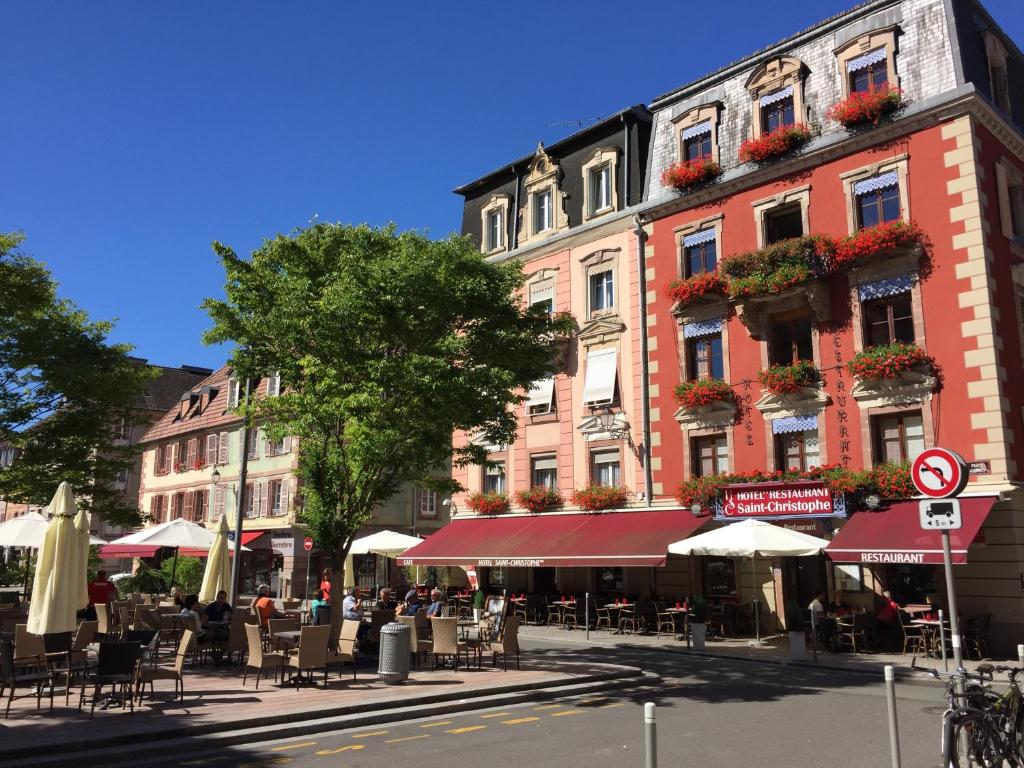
pixel 775 500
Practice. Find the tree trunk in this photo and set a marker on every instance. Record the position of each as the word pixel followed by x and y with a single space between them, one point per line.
pixel 338 590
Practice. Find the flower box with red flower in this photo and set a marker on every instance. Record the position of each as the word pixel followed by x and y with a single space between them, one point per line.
pixel 689 173
pixel 491 503
pixel 539 499
pixel 703 392
pixel 866 108
pixel 778 267
pixel 788 379
pixel 703 285
pixel 597 497
pixel 881 240
pixel 888 361
pixel 769 146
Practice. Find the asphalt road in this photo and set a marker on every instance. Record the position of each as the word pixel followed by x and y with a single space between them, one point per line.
pixel 711 712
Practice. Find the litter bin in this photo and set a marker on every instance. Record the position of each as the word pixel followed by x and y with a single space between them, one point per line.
pixel 393 665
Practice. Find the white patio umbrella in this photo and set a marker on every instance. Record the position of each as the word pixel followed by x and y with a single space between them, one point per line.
pixel 59 583
pixel 217 575
pixel 28 531
pixel 750 538
pixel 386 543
pixel 174 533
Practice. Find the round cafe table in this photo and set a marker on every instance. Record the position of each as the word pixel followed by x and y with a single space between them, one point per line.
pixel 676 614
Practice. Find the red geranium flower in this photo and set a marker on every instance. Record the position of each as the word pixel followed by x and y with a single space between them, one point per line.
pixel 768 146
pixel 696 394
pixel 869 107
pixel 686 174
pixel 686 290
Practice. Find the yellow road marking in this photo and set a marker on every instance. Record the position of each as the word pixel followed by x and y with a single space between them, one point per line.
pixel 592 701
pixel 611 706
pixel 407 738
pixel 293 746
pixel 367 735
pixel 346 748
pixel 565 712
pixel 466 729
pixel 519 720
pixel 496 714
pixel 435 725
pixel 547 706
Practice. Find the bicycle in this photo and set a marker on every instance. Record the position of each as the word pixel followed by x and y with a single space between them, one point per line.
pixel 981 728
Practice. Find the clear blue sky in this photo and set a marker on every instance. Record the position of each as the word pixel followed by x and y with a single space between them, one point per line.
pixel 136 133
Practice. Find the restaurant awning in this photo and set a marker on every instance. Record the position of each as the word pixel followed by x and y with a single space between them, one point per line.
pixel 894 536
pixel 247 538
pixel 128 550
pixel 618 538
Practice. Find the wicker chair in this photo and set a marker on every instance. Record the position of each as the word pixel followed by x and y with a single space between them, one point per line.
pixel 103 619
pixel 279 625
pixel 345 653
pixel 14 676
pixel 377 621
pixel 507 644
pixel 28 648
pixel 417 646
pixel 258 658
pixel 446 640
pixel 914 638
pixel 312 653
pixel 148 675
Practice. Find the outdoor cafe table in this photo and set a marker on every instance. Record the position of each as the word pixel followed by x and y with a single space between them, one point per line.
pixel 932 634
pixel 676 613
pixel 289 637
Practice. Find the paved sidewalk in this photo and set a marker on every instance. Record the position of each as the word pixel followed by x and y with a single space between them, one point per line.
pixel 215 702
pixel 773 650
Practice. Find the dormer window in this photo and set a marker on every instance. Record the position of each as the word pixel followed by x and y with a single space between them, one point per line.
pixel 495 230
pixel 600 189
pixel 274 384
pixel 599 175
pixel 777 110
pixel 999 85
pixel 494 224
pixel 697 142
pixel 185 405
pixel 868 72
pixel 541 211
pixel 868 63
pixel 234 392
pixel 776 93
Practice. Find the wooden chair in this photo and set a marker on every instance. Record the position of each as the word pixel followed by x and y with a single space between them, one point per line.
pixel 346 649
pixel 507 644
pixel 312 653
pixel 446 640
pixel 858 630
pixel 914 638
pixel 14 676
pixel 151 674
pixel 258 658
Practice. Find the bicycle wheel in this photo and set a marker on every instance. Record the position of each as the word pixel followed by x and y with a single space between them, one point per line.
pixel 970 745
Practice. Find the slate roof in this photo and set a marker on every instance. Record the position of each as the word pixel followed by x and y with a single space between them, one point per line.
pixel 164 391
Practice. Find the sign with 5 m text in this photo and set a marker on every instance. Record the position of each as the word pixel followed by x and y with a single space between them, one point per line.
pixel 774 501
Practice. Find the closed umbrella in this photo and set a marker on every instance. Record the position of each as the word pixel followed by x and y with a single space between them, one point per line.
pixel 82 567
pixel 217 575
pixel 750 538
pixel 60 570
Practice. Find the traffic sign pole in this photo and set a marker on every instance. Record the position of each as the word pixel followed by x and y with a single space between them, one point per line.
pixel 954 620
pixel 307 545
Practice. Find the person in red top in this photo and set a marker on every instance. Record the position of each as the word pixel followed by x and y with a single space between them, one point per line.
pixel 325 584
pixel 888 621
pixel 101 591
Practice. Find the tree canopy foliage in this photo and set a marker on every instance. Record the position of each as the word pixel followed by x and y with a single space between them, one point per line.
pixel 63 388
pixel 386 343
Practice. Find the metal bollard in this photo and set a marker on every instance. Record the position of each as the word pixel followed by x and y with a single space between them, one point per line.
pixel 894 728
pixel 942 642
pixel 650 737
pixel 586 614
pixel 814 635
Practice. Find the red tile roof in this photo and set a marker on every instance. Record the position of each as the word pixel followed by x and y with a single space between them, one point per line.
pixel 214 415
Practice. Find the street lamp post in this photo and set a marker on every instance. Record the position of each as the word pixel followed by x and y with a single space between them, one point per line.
pixel 236 565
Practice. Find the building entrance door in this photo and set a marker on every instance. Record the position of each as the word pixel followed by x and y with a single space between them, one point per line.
pixel 803 578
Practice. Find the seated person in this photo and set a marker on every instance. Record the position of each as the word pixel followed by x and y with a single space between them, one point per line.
pixel 412 603
pixel 190 618
pixel 265 607
pixel 889 613
pixel 386 601
pixel 219 613
pixel 436 607
pixel 350 605
pixel 818 603
pixel 838 605
pixel 319 601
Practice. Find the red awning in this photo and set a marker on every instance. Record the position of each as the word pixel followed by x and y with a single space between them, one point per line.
pixel 620 538
pixel 894 536
pixel 247 538
pixel 128 550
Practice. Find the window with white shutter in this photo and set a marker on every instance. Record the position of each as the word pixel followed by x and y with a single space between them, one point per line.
pixel 211 449
pixel 222 448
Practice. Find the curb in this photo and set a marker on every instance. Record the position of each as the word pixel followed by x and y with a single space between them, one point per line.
pixel 108 750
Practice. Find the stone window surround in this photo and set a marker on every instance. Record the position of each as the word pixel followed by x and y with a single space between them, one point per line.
pixel 602 156
pixel 704 313
pixel 776 73
pixel 882 270
pixel 682 231
pixel 544 173
pixel 542 276
pixel 800 195
pixel 681 122
pixel 866 415
pixel 688 453
pixel 899 163
pixel 605 260
pixel 995 52
pixel 879 38
pixel 1007 172
pixel 496 203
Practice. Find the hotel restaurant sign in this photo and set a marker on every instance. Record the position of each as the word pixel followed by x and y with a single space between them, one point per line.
pixel 779 501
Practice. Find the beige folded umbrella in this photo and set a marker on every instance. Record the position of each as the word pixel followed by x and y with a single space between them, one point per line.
pixel 59 581
pixel 217 575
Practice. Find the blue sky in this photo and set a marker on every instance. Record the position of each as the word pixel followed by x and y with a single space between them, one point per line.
pixel 135 134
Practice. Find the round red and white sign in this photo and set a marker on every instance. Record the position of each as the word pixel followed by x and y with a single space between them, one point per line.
pixel 307 544
pixel 939 473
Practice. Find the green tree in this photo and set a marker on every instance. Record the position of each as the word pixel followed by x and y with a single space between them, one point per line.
pixel 386 343
pixel 62 389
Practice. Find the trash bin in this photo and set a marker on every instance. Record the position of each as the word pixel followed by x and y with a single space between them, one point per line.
pixel 393 665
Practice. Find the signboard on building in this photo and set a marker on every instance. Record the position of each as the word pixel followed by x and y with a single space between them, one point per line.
pixel 283 545
pixel 774 501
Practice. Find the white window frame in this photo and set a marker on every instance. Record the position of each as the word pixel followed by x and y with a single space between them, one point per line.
pixel 234 392
pixel 543 218
pixel 550 463
pixel 601 377
pixel 274 384
pixel 495 470
pixel 495 229
pixel 427 503
pixel 541 397
pixel 607 293
pixel 600 180
pixel 605 457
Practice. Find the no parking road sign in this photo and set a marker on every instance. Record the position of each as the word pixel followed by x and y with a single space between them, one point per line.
pixel 939 473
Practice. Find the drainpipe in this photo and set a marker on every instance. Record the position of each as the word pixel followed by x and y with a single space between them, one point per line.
pixel 645 392
pixel 513 241
pixel 625 162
